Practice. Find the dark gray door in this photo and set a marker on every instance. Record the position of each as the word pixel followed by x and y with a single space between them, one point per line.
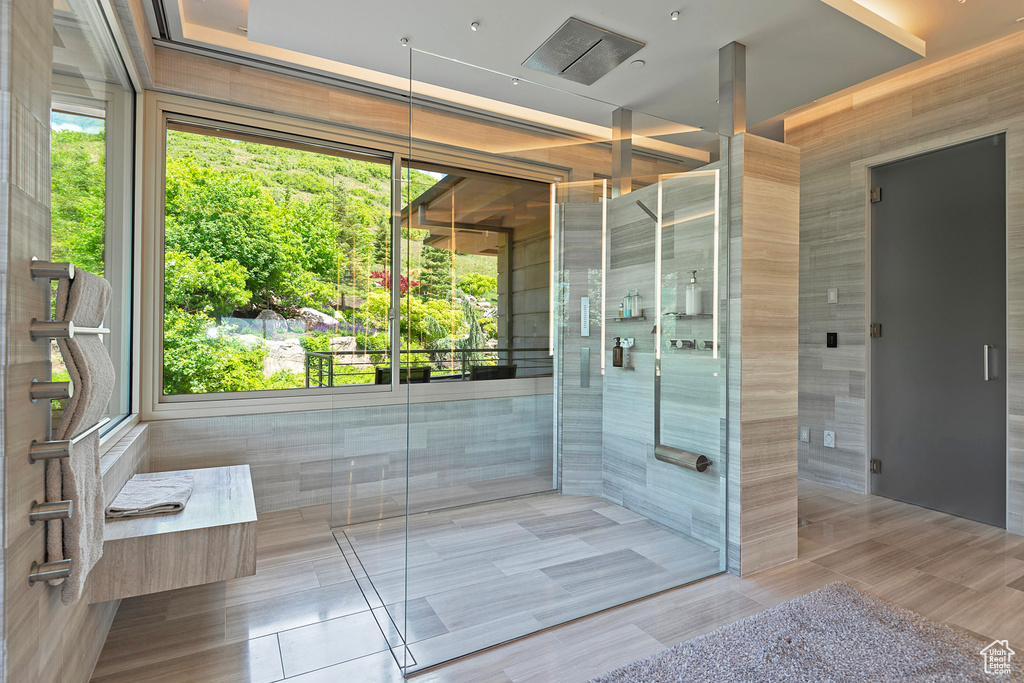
pixel 938 288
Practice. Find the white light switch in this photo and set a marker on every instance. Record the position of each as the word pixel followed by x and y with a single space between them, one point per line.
pixel 833 295
pixel 830 439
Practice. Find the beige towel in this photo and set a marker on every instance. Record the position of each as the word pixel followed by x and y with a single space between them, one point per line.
pixel 152 494
pixel 83 300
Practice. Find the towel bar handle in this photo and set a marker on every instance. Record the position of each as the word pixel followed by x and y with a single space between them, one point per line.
pixel 48 571
pixel 90 430
pixel 47 450
pixel 50 270
pixel 51 391
pixel 41 512
pixel 60 329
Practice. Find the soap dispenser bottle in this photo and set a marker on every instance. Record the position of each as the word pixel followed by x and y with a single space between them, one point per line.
pixel 694 294
pixel 617 354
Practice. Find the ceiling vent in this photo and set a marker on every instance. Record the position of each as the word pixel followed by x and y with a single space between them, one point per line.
pixel 582 52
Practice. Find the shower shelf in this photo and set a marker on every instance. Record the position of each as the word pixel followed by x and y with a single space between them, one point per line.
pixel 700 316
pixel 629 319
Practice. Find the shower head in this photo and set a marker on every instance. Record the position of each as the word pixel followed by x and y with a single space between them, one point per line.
pixel 650 213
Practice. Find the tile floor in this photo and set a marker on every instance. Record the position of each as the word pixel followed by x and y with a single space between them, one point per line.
pixel 288 619
pixel 484 574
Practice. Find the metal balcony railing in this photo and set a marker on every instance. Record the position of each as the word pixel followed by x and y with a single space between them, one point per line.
pixel 324 369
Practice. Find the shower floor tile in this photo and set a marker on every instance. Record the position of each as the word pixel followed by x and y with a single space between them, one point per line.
pixel 483 574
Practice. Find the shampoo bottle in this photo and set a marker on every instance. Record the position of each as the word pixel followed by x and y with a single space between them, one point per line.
pixel 617 354
pixel 694 294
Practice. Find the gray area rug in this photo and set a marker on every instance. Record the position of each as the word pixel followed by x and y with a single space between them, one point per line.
pixel 836 633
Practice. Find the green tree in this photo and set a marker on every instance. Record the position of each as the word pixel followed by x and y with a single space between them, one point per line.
pixel 78 188
pixel 436 274
pixel 228 215
pixel 478 285
pixel 288 250
pixel 203 285
pixel 198 360
pixel 382 248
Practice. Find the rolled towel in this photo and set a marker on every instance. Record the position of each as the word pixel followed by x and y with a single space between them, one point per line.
pixel 152 494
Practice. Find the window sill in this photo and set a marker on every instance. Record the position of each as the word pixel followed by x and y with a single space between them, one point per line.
pixel 213 405
pixel 108 440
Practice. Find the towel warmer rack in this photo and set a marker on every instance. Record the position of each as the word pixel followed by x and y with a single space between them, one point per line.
pixel 54 391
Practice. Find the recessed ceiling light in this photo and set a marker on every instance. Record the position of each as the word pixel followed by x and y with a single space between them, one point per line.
pixel 675 15
pixel 405 41
pixel 474 26
pixel 515 81
pixel 637 63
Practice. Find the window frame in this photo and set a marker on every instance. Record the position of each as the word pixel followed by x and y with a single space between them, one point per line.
pixel 201 126
pixel 163 107
pixel 128 112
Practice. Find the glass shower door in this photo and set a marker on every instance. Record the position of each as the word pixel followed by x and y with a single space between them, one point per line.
pixel 530 490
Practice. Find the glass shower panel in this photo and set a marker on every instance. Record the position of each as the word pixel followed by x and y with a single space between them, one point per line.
pixel 532 490
pixel 686 481
pixel 369 479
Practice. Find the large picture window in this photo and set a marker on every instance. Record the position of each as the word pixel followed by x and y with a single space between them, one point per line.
pixel 279 267
pixel 274 255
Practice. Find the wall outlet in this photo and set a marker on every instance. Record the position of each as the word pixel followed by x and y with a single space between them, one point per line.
pixel 805 434
pixel 830 439
pixel 833 295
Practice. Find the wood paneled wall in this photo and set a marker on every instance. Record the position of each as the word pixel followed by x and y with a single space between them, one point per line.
pixel 762 344
pixel 974 94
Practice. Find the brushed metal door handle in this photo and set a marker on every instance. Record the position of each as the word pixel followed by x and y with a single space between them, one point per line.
pixel 988 375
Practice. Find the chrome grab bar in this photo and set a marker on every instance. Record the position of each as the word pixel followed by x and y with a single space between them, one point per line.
pixel 59 509
pixel 48 571
pixel 677 456
pixel 60 329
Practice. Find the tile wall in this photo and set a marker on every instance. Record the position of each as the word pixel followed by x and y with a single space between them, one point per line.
pixel 971 95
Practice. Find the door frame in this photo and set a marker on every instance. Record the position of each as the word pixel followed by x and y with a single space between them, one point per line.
pixel 861 176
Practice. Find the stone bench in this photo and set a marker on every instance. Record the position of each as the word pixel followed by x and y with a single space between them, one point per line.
pixel 212 539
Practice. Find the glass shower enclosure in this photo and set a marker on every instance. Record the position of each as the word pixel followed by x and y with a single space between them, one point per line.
pixel 555 442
